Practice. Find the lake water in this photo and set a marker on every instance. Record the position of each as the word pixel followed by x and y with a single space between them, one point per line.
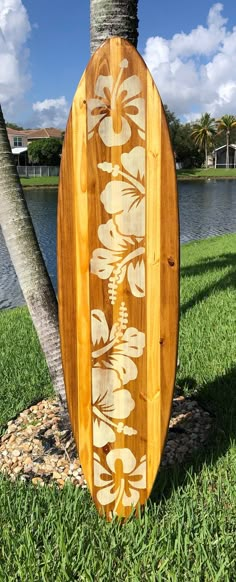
pixel 207 208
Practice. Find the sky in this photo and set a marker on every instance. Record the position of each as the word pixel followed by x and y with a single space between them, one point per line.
pixel 190 49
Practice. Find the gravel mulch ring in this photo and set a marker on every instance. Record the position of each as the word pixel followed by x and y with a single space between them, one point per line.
pixel 38 447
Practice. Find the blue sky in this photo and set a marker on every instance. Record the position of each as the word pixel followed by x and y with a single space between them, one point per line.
pixel 190 49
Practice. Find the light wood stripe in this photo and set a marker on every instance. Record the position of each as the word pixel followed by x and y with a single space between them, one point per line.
pixel 82 281
pixel 153 283
pixel 73 276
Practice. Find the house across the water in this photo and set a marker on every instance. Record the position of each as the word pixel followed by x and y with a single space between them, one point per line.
pixel 220 156
pixel 20 138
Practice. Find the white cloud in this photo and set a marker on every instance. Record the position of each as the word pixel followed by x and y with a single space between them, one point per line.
pixel 15 79
pixel 14 56
pixel 196 71
pixel 51 113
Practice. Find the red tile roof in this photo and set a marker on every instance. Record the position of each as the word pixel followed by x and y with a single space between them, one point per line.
pixel 43 132
pixel 15 131
pixel 36 133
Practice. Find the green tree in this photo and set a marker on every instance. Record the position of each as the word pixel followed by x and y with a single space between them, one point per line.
pixel 203 133
pixel 186 151
pixel 14 126
pixel 173 124
pixel 45 151
pixel 225 125
pixel 28 262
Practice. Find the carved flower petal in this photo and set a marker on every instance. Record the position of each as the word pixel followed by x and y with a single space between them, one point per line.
pixel 138 477
pixel 133 221
pixel 107 398
pixel 138 118
pixel 107 495
pixel 101 475
pixel 103 384
pixel 125 367
pixel 133 343
pixel 96 112
pixel 125 456
pixel 116 196
pixel 121 196
pixel 131 499
pixel 109 137
pixel 102 262
pixel 134 162
pixel 103 82
pixel 99 327
pixel 130 87
pixel 102 433
pixel 136 278
pixel 122 403
pixel 110 237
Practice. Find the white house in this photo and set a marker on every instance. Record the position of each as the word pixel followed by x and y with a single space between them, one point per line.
pixel 220 156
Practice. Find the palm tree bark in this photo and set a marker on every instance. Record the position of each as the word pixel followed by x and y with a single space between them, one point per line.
pixel 227 148
pixel 206 154
pixel 28 262
pixel 110 18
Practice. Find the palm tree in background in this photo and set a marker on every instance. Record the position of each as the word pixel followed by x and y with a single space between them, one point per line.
pixel 113 18
pixel 226 123
pixel 28 262
pixel 203 133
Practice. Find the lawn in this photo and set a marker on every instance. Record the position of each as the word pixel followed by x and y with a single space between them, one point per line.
pixel 192 174
pixel 187 531
pixel 40 181
pixel 196 173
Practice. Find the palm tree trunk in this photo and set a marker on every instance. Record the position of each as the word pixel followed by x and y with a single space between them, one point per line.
pixel 206 155
pixel 227 148
pixel 113 18
pixel 26 257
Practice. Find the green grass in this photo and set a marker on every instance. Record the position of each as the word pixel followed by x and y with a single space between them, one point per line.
pixel 188 529
pixel 24 377
pixel 203 173
pixel 40 181
pixel 181 175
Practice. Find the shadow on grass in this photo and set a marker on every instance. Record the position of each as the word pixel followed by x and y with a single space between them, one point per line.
pixel 228 281
pixel 219 399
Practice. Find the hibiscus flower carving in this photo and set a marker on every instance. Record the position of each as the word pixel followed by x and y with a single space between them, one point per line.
pixel 117 103
pixel 113 367
pixel 121 481
pixel 122 236
pixel 126 198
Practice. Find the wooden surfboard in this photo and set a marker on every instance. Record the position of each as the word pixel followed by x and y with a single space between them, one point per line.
pixel 118 276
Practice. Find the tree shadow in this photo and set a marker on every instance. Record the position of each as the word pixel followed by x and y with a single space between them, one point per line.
pixel 219 399
pixel 227 281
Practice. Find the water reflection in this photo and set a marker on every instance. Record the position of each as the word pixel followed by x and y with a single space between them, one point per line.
pixel 42 204
pixel 206 209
